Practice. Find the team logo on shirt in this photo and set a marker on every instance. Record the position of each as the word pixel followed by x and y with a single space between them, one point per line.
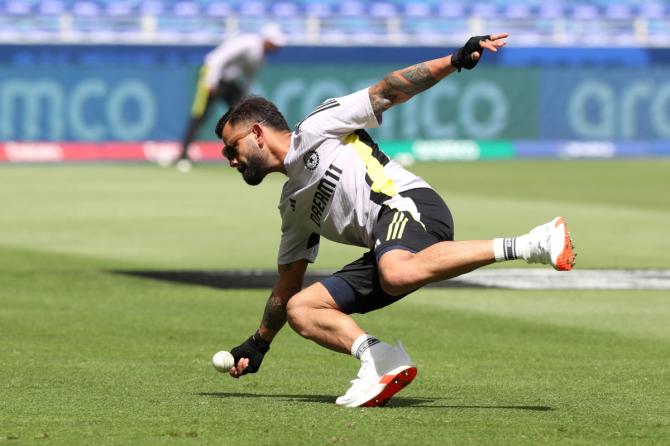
pixel 311 160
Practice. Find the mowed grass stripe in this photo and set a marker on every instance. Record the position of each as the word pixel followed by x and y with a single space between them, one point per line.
pixel 604 235
pixel 619 182
pixel 142 212
pixel 643 313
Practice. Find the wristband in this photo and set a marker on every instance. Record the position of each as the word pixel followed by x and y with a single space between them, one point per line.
pixel 261 343
pixel 463 56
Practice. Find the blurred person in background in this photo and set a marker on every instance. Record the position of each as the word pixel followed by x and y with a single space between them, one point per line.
pixel 226 74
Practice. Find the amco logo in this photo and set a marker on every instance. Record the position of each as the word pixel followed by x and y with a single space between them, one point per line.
pixel 92 109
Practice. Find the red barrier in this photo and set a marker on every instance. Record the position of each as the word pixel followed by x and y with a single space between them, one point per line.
pixel 161 152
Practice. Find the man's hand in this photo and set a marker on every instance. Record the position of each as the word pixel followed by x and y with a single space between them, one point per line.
pixel 399 86
pixel 468 56
pixel 249 355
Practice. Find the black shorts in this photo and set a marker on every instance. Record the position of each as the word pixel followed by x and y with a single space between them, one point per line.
pixel 356 287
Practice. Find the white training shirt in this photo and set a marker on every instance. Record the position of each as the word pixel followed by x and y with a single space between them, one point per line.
pixel 237 57
pixel 336 182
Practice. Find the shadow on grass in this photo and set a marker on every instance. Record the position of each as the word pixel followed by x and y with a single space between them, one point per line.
pixel 248 279
pixel 426 403
pixel 299 398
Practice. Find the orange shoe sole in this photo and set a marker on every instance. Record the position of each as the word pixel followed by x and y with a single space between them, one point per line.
pixel 394 384
pixel 566 259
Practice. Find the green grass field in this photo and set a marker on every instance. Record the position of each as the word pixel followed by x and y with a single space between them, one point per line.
pixel 94 357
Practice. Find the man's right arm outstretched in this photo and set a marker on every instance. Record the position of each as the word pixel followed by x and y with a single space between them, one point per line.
pixel 249 355
pixel 399 86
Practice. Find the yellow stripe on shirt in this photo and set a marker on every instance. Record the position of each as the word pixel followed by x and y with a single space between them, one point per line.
pixel 380 182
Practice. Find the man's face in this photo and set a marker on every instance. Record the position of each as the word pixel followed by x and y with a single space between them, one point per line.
pixel 243 152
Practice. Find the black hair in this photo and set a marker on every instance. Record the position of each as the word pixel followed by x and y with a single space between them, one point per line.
pixel 253 109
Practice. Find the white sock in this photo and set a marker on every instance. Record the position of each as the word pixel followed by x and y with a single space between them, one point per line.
pixel 510 248
pixel 362 346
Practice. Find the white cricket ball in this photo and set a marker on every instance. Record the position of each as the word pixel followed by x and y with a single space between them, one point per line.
pixel 223 361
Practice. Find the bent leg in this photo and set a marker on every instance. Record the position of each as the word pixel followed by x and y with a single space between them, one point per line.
pixel 402 271
pixel 314 314
pixel 385 369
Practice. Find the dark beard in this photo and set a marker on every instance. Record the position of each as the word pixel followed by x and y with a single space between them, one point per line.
pixel 252 173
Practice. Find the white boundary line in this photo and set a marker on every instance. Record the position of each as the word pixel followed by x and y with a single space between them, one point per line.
pixel 587 279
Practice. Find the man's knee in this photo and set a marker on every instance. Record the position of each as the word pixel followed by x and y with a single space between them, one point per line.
pixel 297 311
pixel 392 281
pixel 300 308
pixel 394 275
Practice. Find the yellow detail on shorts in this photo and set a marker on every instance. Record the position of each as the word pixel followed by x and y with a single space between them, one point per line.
pixel 380 182
pixel 391 226
pixel 201 94
pixel 402 227
pixel 397 226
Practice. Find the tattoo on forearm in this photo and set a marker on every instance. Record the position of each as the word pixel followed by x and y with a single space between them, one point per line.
pixel 399 86
pixel 274 316
pixel 409 81
pixel 419 77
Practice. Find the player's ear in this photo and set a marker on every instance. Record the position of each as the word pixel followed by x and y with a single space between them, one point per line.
pixel 258 131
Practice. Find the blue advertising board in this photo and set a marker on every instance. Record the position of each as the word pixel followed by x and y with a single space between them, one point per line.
pixel 117 93
pixel 94 104
pixel 604 104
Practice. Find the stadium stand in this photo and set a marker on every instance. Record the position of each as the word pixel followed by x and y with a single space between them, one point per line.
pixel 330 22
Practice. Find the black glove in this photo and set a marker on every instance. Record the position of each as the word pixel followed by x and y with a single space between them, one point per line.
pixel 463 57
pixel 253 348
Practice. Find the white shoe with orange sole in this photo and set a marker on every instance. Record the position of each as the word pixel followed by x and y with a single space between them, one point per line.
pixel 386 374
pixel 551 244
